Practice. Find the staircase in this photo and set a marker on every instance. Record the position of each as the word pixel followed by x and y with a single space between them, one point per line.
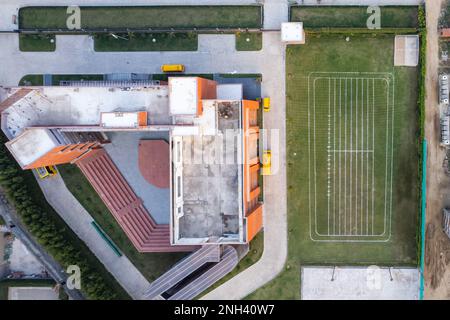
pixel 125 206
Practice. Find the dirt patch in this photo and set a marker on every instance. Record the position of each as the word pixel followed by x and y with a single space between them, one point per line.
pixel 437 244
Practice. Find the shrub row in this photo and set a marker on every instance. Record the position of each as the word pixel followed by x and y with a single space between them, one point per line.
pixel 421 108
pixel 46 230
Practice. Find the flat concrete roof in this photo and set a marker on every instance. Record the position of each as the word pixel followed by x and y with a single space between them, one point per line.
pixel 31 145
pixel 82 106
pixel 292 32
pixel 183 97
pixel 119 119
pixel 211 177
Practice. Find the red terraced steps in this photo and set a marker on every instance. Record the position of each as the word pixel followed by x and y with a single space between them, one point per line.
pixel 125 206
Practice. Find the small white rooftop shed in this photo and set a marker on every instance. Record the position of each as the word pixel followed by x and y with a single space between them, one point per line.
pixel 292 32
pixel 183 95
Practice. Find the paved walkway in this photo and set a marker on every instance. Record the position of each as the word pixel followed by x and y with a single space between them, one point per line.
pixel 79 220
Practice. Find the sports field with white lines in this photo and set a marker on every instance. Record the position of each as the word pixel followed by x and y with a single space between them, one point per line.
pixel 350 117
pixel 352 152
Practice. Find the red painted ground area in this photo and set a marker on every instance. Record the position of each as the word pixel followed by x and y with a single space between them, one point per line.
pixel 154 162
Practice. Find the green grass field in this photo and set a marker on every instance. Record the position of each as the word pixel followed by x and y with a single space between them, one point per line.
pixel 37 43
pixel 390 122
pixel 249 41
pixel 353 16
pixel 144 17
pixel 147 42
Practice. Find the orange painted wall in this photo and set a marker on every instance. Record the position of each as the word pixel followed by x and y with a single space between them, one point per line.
pixel 254 222
pixel 206 89
pixel 252 206
pixel 142 118
pixel 62 154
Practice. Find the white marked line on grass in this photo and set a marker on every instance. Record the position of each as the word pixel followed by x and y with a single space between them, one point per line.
pixel 367 159
pixel 349 156
pixel 356 158
pixel 329 155
pixel 339 156
pixel 362 158
pixel 345 160
pixel 334 160
pixel 373 154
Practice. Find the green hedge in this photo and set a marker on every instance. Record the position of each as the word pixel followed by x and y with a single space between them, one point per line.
pixel 134 41
pixel 37 42
pixel 144 17
pixel 354 16
pixel 421 108
pixel 313 31
pixel 97 283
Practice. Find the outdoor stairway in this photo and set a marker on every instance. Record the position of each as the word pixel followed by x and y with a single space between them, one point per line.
pixel 185 267
pixel 227 263
pixel 125 206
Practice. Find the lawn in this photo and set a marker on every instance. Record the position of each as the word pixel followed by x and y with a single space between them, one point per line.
pixel 151 265
pixel 248 41
pixel 311 96
pixel 32 80
pixel 37 42
pixel 5 284
pixel 146 42
pixel 144 17
pixel 353 16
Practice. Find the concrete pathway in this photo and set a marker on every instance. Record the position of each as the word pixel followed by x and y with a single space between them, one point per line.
pixel 79 220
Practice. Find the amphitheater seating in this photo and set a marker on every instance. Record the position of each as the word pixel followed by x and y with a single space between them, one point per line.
pixel 125 206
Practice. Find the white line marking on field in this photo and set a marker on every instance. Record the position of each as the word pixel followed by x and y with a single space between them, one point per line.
pixel 373 154
pixel 340 119
pixel 345 160
pixel 334 160
pixel 367 163
pixel 367 160
pixel 328 155
pixel 362 155
pixel 356 179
